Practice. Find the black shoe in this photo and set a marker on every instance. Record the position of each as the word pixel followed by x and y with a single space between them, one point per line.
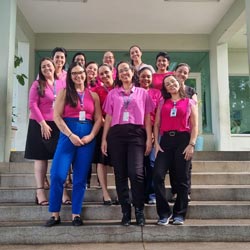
pixel 77 221
pixel 53 222
pixel 107 202
pixel 139 216
pixel 116 202
pixel 126 219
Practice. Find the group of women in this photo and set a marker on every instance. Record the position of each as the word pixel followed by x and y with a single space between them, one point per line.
pixel 112 116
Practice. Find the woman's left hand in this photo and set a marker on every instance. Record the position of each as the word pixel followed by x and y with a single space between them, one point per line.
pixel 87 139
pixel 188 152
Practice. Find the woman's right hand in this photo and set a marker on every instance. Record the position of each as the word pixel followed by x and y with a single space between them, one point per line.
pixel 75 139
pixel 45 130
pixel 104 147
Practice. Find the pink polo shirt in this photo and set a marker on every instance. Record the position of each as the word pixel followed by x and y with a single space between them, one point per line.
pixel 180 122
pixel 156 97
pixel 88 107
pixel 157 79
pixel 62 76
pixel 41 108
pixel 138 105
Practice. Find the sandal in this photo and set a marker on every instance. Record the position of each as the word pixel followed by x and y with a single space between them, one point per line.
pixel 41 203
pixel 67 202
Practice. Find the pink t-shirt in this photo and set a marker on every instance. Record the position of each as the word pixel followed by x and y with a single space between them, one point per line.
pixel 137 104
pixel 157 79
pixel 41 108
pixel 88 107
pixel 181 121
pixel 156 97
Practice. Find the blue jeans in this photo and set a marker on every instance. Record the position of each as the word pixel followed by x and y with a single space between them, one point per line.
pixel 66 154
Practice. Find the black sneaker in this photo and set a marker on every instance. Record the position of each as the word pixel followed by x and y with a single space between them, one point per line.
pixel 126 219
pixel 173 198
pixel 77 221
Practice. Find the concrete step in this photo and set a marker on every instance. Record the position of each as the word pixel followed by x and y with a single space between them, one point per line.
pixel 198 166
pixel 199 155
pixel 198 193
pixel 198 178
pixel 97 211
pixel 192 231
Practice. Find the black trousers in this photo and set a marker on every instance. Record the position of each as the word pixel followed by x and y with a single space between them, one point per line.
pixel 126 146
pixel 172 160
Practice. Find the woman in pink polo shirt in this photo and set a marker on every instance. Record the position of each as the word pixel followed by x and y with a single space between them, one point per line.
pixel 42 131
pixel 59 56
pixel 177 121
pixel 127 137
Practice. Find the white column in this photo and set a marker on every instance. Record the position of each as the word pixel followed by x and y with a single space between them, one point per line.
pixel 7 47
pixel 20 99
pixel 223 97
pixel 248 31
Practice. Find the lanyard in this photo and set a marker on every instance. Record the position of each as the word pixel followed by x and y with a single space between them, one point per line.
pixel 54 89
pixel 81 98
pixel 126 100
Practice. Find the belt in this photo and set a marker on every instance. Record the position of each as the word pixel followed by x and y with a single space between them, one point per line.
pixel 172 133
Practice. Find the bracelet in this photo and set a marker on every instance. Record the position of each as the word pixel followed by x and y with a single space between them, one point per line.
pixel 192 144
pixel 70 135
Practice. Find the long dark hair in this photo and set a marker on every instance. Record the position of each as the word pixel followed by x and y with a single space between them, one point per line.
pixel 182 64
pixel 92 83
pixel 167 95
pixel 41 78
pixel 71 93
pixel 118 82
pixel 131 61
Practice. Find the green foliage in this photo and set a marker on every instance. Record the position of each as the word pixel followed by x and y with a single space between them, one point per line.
pixel 20 77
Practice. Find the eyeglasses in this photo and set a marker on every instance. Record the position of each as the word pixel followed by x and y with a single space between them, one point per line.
pixel 77 73
pixel 123 70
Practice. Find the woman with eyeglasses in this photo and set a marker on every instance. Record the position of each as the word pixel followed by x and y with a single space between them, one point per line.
pixel 127 137
pixel 78 116
pixel 109 58
pixel 177 122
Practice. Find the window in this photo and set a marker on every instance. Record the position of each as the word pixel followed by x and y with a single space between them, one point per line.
pixel 239 87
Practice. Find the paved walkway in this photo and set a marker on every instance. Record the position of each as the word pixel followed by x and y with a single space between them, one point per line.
pixel 136 246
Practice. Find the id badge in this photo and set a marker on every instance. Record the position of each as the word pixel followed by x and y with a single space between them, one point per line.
pixel 173 112
pixel 82 116
pixel 125 116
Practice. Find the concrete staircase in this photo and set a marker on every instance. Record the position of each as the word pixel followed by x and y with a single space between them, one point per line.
pixel 219 210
